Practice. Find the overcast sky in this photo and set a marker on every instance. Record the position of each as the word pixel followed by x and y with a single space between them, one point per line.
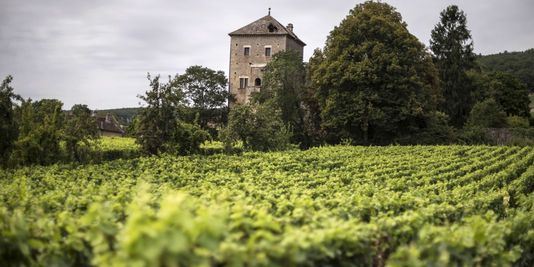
pixel 99 52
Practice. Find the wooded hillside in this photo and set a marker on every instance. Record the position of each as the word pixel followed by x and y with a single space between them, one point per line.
pixel 520 64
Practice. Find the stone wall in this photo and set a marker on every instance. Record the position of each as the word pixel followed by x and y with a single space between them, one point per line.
pixel 250 66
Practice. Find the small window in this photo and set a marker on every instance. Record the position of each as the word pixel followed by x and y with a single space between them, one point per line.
pixel 243 83
pixel 257 82
pixel 247 50
pixel 268 51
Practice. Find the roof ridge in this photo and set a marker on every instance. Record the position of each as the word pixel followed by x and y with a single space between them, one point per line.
pixel 257 27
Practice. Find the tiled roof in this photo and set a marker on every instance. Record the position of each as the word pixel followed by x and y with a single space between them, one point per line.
pixel 266 26
pixel 108 124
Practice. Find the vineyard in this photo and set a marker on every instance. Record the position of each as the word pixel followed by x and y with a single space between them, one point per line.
pixel 329 206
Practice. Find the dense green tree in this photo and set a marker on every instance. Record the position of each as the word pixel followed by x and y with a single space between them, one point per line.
pixel 487 114
pixel 40 132
pixel 453 55
pixel 510 93
pixel 258 126
pixel 159 127
pixel 159 118
pixel 8 122
pixel 205 92
pixel 79 128
pixel 376 82
pixel 284 89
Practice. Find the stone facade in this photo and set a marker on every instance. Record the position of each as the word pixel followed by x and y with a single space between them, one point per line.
pixel 251 48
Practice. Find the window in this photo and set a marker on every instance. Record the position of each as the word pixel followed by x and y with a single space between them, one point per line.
pixel 243 83
pixel 246 51
pixel 257 82
pixel 268 51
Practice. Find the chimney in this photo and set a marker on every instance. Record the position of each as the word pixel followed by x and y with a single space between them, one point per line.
pixel 290 27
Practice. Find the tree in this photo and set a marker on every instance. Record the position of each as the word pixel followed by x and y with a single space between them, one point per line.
pixel 205 91
pixel 376 82
pixel 79 128
pixel 159 119
pixel 284 89
pixel 258 126
pixel 39 132
pixel 453 55
pixel 510 93
pixel 159 128
pixel 8 123
pixel 487 114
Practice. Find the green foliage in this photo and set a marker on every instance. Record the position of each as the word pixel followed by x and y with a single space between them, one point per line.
pixel 487 114
pixel 510 93
pixel 8 122
pixel 517 122
pixel 519 64
pixel 478 241
pixel 437 131
pixel 187 139
pixel 206 94
pixel 258 126
pixel 284 88
pixel 78 129
pixel 453 55
pixel 159 119
pixel 376 82
pixel 40 133
pixel 328 206
pixel 159 127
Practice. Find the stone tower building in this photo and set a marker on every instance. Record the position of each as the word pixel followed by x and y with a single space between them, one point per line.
pixel 251 48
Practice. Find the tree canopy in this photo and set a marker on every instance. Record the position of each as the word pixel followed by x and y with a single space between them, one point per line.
pixel 205 92
pixel 376 81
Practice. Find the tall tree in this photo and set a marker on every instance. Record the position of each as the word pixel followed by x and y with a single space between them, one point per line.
pixel 376 81
pixel 8 123
pixel 159 119
pixel 284 89
pixel 79 128
pixel 205 91
pixel 453 55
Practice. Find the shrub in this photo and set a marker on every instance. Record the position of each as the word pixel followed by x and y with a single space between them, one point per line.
pixel 259 127
pixel 487 114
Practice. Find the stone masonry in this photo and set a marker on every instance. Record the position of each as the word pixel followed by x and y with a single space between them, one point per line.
pixel 251 48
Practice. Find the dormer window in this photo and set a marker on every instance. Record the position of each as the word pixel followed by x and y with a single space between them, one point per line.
pixel 246 50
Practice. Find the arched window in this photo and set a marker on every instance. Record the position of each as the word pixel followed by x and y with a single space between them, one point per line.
pixel 257 82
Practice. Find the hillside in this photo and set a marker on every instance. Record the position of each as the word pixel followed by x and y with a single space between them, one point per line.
pixel 520 64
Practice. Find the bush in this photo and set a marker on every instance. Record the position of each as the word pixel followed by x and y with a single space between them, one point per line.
pixel 187 138
pixel 259 127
